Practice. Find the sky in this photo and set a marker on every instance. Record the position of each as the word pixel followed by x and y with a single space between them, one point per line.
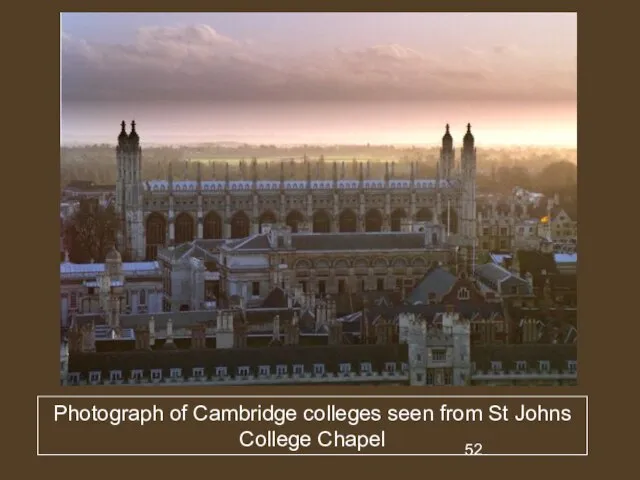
pixel 332 77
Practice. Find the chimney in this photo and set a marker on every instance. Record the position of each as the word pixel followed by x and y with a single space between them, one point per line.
pixel 75 339
pixel 321 315
pixel 240 335
pixel 381 332
pixel 198 337
pixel 168 343
pixel 335 333
pixel 142 338
pixel 331 310
pixel 292 336
pixel 152 331
pixel 88 343
pixel 276 328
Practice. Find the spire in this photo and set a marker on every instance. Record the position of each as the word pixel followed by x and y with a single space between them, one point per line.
pixel 123 137
pixel 468 138
pixel 199 175
pixel 281 171
pixel 386 173
pixel 413 173
pixel 226 172
pixel 170 176
pixel 447 140
pixel 133 136
pixel 361 173
pixel 335 171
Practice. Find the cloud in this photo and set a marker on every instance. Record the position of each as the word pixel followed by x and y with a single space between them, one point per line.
pixel 197 63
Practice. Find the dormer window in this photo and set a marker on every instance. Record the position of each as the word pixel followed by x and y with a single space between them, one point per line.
pixel 318 369
pixel 298 369
pixel 572 366
pixel 545 365
pixel 365 367
pixel 221 371
pixel 94 377
pixel 175 372
pixel 265 370
pixel 156 374
pixel 115 375
pixel 197 372
pixel 345 367
pixel 521 365
pixel 73 378
pixel 464 294
pixel 243 371
pixel 281 369
pixel 496 366
pixel 136 374
pixel 390 367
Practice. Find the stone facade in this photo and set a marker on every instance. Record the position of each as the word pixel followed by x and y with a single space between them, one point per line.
pixel 161 213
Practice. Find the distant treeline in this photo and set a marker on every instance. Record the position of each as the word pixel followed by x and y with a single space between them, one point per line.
pixel 544 170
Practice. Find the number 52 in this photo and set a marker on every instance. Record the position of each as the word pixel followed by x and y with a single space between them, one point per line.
pixel 473 449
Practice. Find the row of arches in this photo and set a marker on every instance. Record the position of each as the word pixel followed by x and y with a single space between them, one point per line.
pixel 185 225
pixel 360 262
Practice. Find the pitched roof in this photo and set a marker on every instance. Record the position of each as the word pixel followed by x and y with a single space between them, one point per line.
pixel 534 262
pixel 347 303
pixel 429 311
pixel 329 355
pixel 437 280
pixel 195 249
pixel 180 319
pixel 509 355
pixel 254 242
pixel 277 298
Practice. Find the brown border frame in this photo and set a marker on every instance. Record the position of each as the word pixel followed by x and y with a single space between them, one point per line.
pixel 33 370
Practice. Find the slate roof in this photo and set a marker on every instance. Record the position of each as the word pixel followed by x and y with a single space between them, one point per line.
pixel 556 325
pixel 509 355
pixel 534 262
pixel 277 298
pixel 180 319
pixel 191 250
pixel 492 274
pixel 437 280
pixel 254 242
pixel 209 359
pixel 429 311
pixel 347 303
pixel 210 244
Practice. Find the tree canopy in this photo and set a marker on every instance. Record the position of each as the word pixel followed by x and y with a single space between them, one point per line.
pixel 90 231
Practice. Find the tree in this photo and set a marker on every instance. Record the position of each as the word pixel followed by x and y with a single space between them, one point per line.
pixel 90 231
pixel 557 176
